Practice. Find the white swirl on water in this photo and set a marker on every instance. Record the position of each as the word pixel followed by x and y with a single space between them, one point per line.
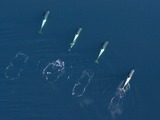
pixel 54 70
pixel 116 105
pixel 81 85
pixel 16 66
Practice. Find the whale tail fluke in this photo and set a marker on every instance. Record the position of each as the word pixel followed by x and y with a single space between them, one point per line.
pixel 96 61
pixel 40 32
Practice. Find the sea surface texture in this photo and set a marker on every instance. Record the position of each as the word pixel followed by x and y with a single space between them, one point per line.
pixel 41 78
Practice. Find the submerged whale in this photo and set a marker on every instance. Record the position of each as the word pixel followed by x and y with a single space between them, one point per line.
pixel 75 38
pixel 44 21
pixel 101 51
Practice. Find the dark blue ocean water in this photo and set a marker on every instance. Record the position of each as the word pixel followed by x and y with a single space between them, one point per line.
pixel 32 88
